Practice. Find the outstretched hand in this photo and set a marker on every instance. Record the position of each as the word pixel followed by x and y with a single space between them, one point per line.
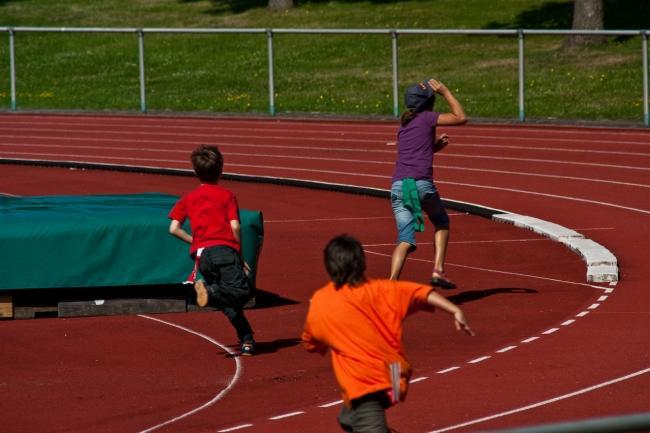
pixel 461 323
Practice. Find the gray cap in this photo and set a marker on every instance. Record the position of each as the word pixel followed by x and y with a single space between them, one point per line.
pixel 418 96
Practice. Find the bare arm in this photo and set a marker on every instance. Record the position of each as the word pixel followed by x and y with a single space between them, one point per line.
pixel 437 301
pixel 236 229
pixel 176 229
pixel 457 115
pixel 236 232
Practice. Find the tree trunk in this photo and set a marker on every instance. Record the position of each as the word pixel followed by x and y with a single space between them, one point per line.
pixel 280 5
pixel 587 15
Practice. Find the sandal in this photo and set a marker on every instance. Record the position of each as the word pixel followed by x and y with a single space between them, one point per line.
pixel 439 279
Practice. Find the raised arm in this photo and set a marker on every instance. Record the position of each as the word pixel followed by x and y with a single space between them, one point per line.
pixel 457 115
pixel 437 301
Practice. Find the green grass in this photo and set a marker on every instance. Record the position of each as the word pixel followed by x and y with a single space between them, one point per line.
pixel 327 74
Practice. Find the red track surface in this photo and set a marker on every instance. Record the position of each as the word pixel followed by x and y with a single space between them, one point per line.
pixel 591 356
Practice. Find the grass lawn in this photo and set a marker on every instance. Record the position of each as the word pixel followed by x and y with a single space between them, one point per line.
pixel 326 74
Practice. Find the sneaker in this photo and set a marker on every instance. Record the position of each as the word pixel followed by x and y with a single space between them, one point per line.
pixel 439 279
pixel 247 348
pixel 201 293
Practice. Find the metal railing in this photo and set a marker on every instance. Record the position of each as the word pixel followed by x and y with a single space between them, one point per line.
pixel 636 423
pixel 520 34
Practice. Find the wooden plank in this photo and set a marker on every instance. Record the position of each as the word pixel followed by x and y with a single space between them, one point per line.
pixel 6 307
pixel 31 312
pixel 108 307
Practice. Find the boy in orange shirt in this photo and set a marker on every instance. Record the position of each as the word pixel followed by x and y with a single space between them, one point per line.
pixel 360 320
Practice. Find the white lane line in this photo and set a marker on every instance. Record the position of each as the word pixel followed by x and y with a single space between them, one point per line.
pixel 447 370
pixel 528 340
pixel 418 379
pixel 582 314
pixel 477 360
pixel 506 349
pixel 593 306
pixel 549 161
pixel 466 242
pixel 602 298
pixel 239 427
pixel 548 176
pixel 312 148
pixel 544 402
pixel 477 268
pixel 555 135
pixel 542 194
pixel 111 158
pixel 220 395
pixel 287 415
pixel 333 403
pixel 550 331
pixel 568 322
pixel 290 134
pixel 331 219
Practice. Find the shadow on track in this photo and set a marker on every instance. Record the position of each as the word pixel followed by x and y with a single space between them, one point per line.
pixel 475 295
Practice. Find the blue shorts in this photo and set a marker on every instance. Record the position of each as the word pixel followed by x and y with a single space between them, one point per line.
pixel 430 203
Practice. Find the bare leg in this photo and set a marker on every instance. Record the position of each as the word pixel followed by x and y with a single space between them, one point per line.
pixel 440 241
pixel 438 277
pixel 400 253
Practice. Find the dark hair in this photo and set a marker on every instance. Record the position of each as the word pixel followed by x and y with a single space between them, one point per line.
pixel 207 162
pixel 409 115
pixel 345 261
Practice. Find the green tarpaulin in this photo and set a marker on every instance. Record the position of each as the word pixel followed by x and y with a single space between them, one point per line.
pixel 100 240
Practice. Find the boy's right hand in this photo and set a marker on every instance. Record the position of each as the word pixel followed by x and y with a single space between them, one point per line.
pixel 461 323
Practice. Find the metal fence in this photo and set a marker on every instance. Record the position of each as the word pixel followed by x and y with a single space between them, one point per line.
pixel 392 33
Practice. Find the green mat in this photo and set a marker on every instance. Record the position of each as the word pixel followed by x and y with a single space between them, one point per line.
pixel 100 240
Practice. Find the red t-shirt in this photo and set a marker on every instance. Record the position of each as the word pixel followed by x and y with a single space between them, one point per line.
pixel 363 328
pixel 210 209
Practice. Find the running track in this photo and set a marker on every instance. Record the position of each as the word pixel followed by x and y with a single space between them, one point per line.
pixel 550 347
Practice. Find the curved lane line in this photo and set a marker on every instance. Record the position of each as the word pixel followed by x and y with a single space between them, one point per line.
pixel 219 396
pixel 476 268
pixel 522 191
pixel 545 402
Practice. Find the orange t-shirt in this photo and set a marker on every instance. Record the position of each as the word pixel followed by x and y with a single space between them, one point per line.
pixel 363 328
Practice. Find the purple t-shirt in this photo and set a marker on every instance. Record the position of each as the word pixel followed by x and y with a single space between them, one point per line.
pixel 415 143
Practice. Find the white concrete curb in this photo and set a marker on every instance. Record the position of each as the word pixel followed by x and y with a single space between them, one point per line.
pixel 602 266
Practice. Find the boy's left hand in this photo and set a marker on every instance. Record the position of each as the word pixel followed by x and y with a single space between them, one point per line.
pixel 247 269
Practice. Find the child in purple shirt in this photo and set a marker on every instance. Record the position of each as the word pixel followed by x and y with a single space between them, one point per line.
pixel 413 191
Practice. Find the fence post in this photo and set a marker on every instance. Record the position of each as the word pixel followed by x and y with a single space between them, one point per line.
pixel 395 74
pixel 12 68
pixel 269 43
pixel 522 101
pixel 644 55
pixel 143 100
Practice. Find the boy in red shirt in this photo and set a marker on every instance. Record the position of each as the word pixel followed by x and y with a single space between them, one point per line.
pixel 215 242
pixel 360 320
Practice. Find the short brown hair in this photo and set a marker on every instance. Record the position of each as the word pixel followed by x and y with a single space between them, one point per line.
pixel 207 162
pixel 345 261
